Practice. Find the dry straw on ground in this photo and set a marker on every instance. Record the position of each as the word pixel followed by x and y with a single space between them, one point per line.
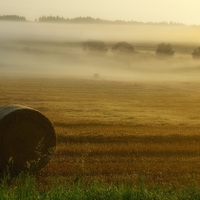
pixel 27 139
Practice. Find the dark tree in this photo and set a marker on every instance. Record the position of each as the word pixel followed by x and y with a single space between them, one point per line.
pixel 164 50
pixel 196 53
pixel 123 47
pixel 95 46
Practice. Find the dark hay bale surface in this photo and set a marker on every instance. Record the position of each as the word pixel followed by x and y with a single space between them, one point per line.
pixel 27 140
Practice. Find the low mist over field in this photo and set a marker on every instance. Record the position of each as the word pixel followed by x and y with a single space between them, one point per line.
pixel 56 50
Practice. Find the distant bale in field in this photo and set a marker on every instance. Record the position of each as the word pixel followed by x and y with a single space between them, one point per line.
pixel 96 76
pixel 196 53
pixel 94 46
pixel 123 47
pixel 27 140
pixel 164 50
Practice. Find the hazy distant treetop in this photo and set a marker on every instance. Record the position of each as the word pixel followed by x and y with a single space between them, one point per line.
pixel 196 53
pixel 95 46
pixel 12 18
pixel 164 49
pixel 123 47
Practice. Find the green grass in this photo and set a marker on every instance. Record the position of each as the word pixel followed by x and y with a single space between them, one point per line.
pixel 28 188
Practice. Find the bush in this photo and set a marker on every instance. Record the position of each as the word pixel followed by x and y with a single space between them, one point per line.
pixel 196 53
pixel 95 46
pixel 123 47
pixel 164 49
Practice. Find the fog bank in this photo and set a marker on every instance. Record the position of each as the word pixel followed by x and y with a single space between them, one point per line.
pixel 55 50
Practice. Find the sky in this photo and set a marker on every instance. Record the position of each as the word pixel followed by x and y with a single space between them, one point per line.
pixel 182 11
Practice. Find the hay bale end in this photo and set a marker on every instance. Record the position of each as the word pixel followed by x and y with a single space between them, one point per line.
pixel 27 140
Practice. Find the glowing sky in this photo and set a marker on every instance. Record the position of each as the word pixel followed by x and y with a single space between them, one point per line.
pixel 184 11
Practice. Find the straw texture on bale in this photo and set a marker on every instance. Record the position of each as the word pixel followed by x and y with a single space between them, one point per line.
pixel 27 140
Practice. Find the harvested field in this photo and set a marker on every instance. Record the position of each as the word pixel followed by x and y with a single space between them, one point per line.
pixel 116 131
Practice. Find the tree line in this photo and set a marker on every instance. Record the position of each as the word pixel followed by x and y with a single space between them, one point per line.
pixel 88 20
pixel 163 49
pixel 12 18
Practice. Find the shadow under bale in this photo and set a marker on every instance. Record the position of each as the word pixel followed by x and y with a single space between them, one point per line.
pixel 27 140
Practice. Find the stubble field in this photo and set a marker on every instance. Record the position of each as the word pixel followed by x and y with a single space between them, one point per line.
pixel 116 131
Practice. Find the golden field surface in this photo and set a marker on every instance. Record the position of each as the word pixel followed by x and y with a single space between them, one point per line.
pixel 116 131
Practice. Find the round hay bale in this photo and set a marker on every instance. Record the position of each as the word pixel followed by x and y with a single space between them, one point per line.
pixel 96 76
pixel 27 140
